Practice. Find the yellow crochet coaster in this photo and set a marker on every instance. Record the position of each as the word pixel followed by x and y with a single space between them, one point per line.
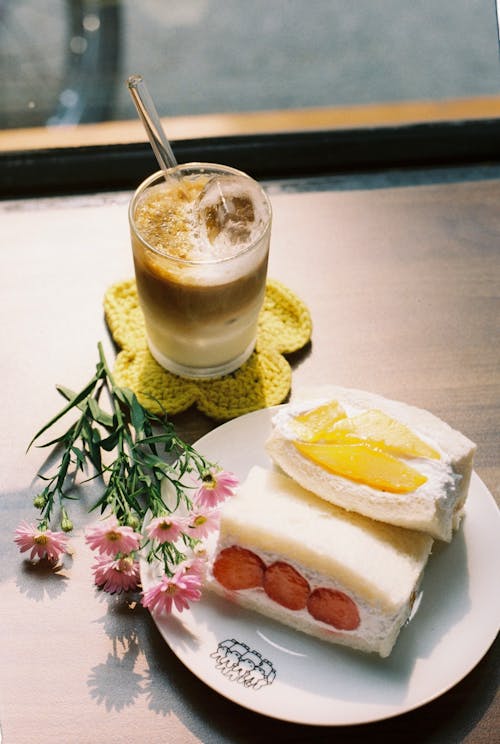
pixel 264 380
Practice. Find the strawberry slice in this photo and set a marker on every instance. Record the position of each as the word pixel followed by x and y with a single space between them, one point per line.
pixel 333 607
pixel 286 586
pixel 238 568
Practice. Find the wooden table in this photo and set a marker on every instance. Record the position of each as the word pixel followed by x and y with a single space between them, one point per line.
pixel 403 284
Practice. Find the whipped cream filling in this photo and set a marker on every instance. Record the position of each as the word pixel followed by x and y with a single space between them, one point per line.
pixel 376 625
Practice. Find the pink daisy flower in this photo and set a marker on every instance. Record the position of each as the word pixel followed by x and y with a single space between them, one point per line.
pixel 216 487
pixel 166 528
pixel 42 543
pixel 111 538
pixel 202 523
pixel 195 565
pixel 177 590
pixel 115 576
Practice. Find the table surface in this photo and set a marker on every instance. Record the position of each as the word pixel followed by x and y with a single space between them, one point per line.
pixel 403 284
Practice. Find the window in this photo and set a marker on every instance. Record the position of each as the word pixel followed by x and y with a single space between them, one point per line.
pixel 218 67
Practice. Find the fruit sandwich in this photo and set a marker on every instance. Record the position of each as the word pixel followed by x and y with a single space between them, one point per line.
pixel 298 559
pixel 378 457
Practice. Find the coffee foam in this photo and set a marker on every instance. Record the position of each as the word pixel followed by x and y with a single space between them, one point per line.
pixel 201 219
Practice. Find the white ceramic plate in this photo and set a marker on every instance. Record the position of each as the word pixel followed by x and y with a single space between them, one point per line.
pixel 287 675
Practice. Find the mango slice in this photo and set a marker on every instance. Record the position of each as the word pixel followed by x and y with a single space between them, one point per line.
pixel 381 431
pixel 307 426
pixel 364 463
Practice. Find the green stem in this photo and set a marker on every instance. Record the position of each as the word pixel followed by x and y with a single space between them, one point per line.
pixel 143 445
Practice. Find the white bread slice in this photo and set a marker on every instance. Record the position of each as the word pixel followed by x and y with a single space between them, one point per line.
pixel 377 565
pixel 435 507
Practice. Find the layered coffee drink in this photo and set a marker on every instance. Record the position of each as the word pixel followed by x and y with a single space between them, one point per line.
pixel 200 238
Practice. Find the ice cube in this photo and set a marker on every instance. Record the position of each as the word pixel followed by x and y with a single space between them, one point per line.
pixel 229 214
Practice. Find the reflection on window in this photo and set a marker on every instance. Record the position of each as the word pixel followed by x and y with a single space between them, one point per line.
pixel 65 61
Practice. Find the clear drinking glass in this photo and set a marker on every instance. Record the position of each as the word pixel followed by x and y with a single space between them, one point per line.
pixel 200 238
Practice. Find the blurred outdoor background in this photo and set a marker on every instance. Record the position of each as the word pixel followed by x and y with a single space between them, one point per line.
pixel 65 61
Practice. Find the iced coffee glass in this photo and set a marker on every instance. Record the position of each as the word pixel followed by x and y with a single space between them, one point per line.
pixel 200 239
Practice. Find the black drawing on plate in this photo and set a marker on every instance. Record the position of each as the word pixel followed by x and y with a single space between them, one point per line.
pixel 240 663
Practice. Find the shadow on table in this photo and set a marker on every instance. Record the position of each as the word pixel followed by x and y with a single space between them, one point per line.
pixel 42 579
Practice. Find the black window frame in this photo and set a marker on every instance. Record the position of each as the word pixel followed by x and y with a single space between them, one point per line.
pixel 90 169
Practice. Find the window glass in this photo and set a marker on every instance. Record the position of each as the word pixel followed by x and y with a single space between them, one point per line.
pixel 64 62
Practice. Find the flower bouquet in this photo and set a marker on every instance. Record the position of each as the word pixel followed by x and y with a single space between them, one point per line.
pixel 160 496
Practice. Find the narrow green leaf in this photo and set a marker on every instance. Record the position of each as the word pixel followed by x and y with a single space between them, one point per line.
pixel 137 414
pixel 66 392
pixel 72 403
pixel 124 395
pixel 91 441
pixel 157 439
pixel 99 414
pixel 109 443
pixel 79 455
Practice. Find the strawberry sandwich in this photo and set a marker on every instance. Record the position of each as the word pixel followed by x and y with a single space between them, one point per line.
pixel 320 569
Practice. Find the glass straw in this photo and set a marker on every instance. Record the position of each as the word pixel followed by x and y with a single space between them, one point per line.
pixel 149 116
pixel 158 139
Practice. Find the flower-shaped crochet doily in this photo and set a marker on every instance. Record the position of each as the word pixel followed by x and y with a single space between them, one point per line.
pixel 264 380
